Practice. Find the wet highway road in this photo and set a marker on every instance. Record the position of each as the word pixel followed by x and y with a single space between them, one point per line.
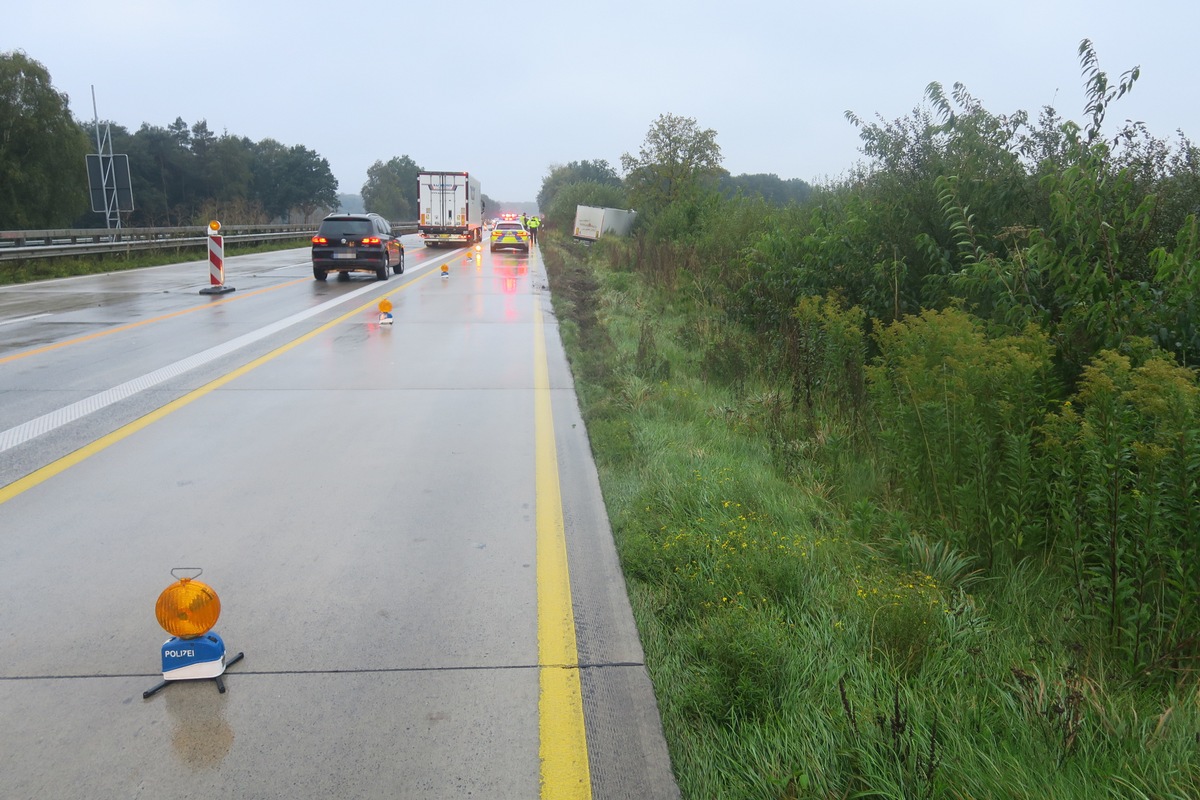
pixel 402 521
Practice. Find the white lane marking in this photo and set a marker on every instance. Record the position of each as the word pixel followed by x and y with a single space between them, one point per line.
pixel 56 419
pixel 23 319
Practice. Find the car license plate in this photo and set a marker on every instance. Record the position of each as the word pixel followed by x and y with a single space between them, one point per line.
pixel 344 254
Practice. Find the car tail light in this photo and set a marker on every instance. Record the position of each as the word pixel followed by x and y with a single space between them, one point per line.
pixel 371 240
pixel 320 240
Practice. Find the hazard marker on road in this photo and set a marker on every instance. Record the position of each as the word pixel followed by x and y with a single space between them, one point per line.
pixel 216 261
pixel 188 609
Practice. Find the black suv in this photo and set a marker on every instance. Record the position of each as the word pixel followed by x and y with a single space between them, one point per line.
pixel 348 243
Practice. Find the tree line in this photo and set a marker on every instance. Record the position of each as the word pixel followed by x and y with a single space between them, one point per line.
pixel 181 174
pixel 677 159
pixel 184 174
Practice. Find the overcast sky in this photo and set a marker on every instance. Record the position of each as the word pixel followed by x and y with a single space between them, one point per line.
pixel 505 90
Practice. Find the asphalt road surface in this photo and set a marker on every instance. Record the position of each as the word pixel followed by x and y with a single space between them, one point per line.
pixel 402 521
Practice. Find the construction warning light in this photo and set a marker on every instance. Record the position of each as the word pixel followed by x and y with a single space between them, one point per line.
pixel 214 226
pixel 187 608
pixel 385 306
pixel 445 270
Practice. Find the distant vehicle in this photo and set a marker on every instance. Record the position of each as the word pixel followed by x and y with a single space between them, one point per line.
pixel 510 236
pixel 450 207
pixel 591 222
pixel 348 243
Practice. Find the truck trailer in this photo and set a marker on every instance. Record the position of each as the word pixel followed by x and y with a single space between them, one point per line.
pixel 591 222
pixel 450 206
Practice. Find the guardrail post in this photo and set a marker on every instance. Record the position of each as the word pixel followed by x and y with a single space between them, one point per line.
pixel 216 261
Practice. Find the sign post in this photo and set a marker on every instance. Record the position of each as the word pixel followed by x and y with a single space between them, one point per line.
pixel 216 261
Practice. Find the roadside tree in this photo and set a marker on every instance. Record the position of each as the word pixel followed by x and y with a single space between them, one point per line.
pixel 43 180
pixel 676 159
pixel 598 171
pixel 287 178
pixel 391 188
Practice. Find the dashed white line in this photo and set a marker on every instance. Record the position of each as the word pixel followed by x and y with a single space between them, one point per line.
pixel 23 319
pixel 56 419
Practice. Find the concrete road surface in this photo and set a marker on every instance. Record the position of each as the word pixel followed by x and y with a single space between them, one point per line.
pixel 402 522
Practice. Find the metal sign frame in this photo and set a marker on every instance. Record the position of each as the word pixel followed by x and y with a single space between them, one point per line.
pixel 109 184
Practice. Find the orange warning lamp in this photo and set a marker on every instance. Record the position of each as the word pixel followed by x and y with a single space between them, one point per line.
pixel 445 270
pixel 188 608
pixel 214 226
pixel 385 306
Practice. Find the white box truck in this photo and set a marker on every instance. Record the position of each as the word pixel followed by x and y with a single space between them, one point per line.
pixel 592 222
pixel 450 206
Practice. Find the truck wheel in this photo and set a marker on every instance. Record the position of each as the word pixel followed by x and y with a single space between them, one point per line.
pixel 320 274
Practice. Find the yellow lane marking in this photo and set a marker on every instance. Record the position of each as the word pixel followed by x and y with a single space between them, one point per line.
pixel 110 331
pixel 47 472
pixel 565 774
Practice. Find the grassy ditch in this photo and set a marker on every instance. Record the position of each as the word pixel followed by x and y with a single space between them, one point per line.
pixel 803 640
pixel 46 268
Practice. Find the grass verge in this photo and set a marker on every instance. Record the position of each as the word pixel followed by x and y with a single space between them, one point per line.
pixel 803 642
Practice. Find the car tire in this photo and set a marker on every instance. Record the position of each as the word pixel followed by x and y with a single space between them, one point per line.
pixel 320 274
pixel 343 276
pixel 399 268
pixel 381 273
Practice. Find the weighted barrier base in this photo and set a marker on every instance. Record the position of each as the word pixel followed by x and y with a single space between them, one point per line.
pixel 217 680
pixel 217 290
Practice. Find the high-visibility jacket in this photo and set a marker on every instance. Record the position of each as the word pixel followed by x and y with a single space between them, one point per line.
pixel 534 222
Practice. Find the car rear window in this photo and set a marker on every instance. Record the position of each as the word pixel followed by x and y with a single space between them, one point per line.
pixel 341 228
pixel 510 226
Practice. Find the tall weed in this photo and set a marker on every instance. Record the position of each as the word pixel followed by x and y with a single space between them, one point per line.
pixel 953 409
pixel 1122 468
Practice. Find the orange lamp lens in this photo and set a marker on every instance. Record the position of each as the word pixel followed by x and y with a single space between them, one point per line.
pixel 188 608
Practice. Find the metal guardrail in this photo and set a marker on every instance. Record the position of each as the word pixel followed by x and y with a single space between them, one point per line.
pixel 16 245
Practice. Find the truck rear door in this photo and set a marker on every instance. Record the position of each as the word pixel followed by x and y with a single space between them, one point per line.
pixel 444 200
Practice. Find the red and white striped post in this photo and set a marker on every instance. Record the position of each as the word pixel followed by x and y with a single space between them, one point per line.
pixel 216 261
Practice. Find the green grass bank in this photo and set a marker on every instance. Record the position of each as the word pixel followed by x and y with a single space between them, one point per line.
pixel 806 636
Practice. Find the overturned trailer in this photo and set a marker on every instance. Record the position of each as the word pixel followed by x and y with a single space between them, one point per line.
pixel 591 222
